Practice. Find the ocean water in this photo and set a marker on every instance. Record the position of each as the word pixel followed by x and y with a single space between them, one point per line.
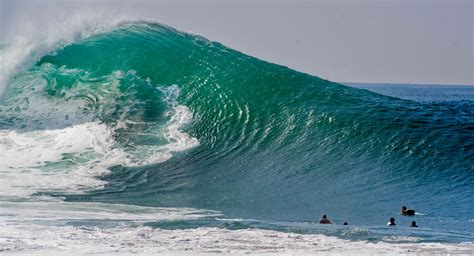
pixel 422 93
pixel 143 127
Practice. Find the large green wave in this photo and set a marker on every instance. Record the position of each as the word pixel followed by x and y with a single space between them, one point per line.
pixel 273 142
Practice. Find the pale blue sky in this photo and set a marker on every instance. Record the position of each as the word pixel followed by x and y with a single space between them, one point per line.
pixel 417 41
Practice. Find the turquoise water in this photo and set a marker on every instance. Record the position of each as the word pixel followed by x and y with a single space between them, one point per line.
pixel 267 146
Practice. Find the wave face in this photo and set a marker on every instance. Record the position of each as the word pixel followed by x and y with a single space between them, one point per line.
pixel 147 115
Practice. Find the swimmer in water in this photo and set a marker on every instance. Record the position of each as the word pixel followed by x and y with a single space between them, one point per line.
pixel 413 224
pixel 391 222
pixel 407 212
pixel 325 220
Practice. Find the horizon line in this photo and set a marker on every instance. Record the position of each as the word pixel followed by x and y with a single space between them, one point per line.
pixel 392 83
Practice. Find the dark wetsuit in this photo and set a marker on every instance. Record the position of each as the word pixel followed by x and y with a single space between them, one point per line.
pixel 325 221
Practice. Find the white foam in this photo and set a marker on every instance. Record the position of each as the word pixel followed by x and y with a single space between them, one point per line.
pixel 44 228
pixel 51 210
pixel 178 141
pixel 25 156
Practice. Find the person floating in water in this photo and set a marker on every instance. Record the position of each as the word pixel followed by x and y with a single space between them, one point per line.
pixel 391 222
pixel 413 224
pixel 345 223
pixel 407 212
pixel 325 220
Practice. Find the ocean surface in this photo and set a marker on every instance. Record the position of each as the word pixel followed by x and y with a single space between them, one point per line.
pixel 428 93
pixel 141 125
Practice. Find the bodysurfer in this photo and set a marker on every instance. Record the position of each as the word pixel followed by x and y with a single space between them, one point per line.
pixel 325 220
pixel 407 212
pixel 391 222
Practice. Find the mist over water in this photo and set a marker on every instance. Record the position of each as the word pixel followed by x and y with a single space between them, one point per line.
pixel 140 116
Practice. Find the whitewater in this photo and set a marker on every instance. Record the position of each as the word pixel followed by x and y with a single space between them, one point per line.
pixel 134 137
